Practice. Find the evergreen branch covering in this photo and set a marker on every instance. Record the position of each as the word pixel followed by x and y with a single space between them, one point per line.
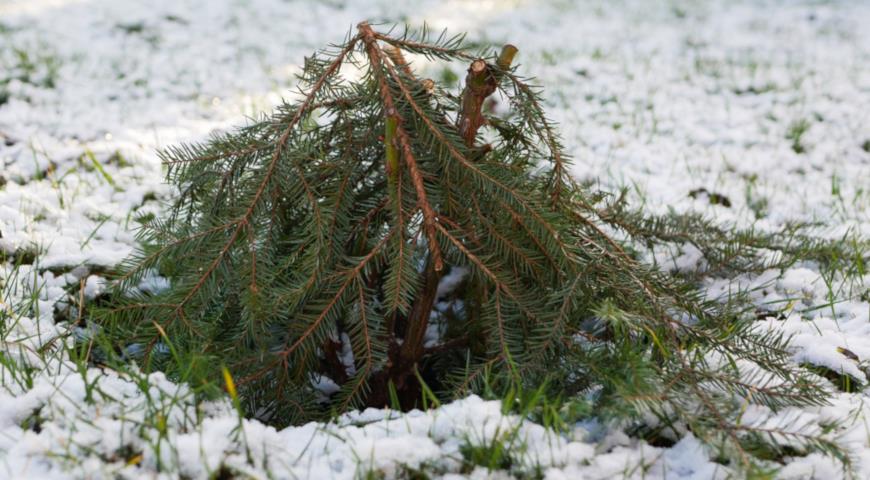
pixel 361 240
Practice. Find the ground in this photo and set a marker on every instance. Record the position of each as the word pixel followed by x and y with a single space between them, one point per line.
pixel 754 113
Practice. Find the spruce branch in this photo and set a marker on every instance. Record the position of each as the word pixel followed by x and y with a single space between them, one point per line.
pixel 375 54
pixel 361 237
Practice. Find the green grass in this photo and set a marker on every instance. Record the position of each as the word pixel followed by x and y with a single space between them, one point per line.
pixel 20 292
pixel 795 133
pixel 842 270
pixel 35 66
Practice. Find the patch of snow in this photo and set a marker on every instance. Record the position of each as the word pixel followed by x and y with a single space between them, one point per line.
pixel 449 282
pixel 94 286
pixel 664 97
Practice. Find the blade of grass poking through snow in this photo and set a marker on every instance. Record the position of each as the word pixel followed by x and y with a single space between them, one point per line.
pixel 99 166
pixel 231 388
pixel 230 385
pixel 430 400
pixel 103 220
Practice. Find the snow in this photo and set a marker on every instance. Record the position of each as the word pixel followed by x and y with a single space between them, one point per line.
pixel 664 97
pixel 449 282
pixel 94 286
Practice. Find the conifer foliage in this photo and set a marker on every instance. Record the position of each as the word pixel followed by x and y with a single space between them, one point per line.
pixel 383 237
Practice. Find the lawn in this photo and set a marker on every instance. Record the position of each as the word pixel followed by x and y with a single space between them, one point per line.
pixel 755 114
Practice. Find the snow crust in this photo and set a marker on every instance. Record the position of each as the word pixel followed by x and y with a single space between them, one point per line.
pixel 665 97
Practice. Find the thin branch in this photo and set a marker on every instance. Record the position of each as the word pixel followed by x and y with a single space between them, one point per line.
pixel 350 277
pixel 245 218
pixel 375 55
pixel 468 163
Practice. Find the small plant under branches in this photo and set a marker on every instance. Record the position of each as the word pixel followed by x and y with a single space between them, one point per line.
pixel 382 239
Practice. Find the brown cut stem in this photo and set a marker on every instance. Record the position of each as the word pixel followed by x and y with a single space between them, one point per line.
pixel 412 349
pixel 480 83
pixel 506 57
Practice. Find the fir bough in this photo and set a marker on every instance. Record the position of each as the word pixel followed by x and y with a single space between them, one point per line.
pixel 305 251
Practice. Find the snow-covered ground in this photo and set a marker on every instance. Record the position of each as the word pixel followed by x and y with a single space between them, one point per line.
pixel 766 104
